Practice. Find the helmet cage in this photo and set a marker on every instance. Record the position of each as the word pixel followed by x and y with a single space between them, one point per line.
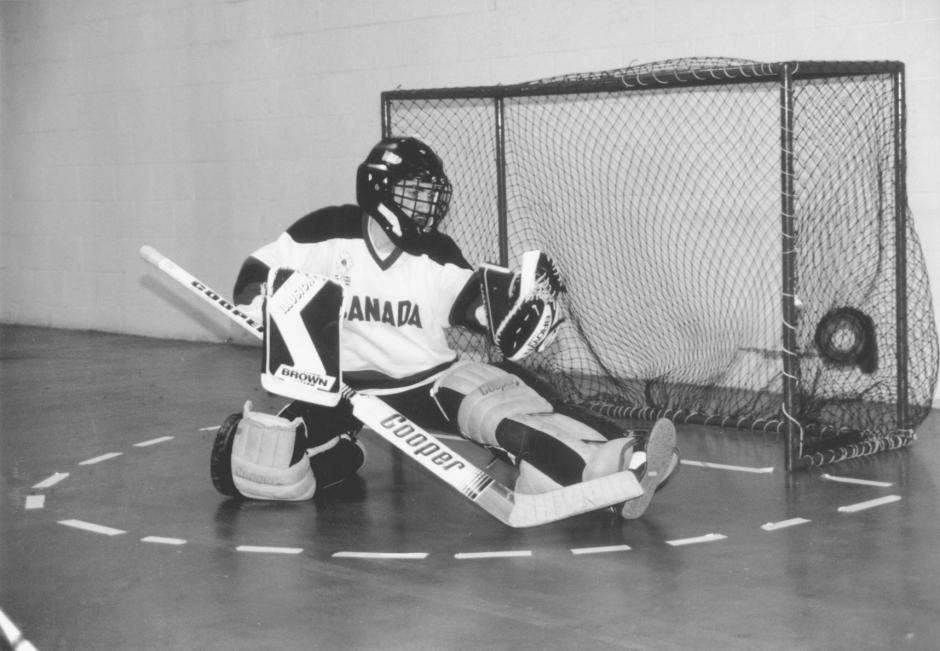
pixel 424 200
pixel 403 186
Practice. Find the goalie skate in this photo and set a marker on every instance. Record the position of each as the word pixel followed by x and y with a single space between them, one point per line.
pixel 661 460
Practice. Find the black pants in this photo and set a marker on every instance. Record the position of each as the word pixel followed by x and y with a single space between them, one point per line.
pixel 344 459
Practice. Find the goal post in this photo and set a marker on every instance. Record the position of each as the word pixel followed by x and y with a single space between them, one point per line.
pixel 734 235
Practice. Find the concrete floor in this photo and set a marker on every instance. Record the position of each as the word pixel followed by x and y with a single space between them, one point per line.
pixel 112 537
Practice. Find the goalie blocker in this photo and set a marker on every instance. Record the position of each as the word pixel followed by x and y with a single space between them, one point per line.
pixel 302 317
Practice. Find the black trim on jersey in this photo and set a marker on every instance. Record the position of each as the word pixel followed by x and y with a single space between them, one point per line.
pixel 383 263
pixel 463 312
pixel 327 223
pixel 250 278
pixel 375 380
pixel 435 245
pixel 347 221
pixel 332 222
pixel 440 248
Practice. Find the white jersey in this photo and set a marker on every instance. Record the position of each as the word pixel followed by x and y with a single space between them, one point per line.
pixel 397 311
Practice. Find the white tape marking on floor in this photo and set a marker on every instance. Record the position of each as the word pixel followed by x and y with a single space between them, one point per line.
pixel 51 481
pixel 211 428
pixel 709 537
pixel 471 555
pixel 35 502
pixel 13 634
pixel 852 480
pixel 90 526
pixel 10 630
pixel 254 549
pixel 870 504
pixel 160 540
pixel 380 555
pixel 600 550
pixel 723 466
pixel 103 457
pixel 145 444
pixel 783 524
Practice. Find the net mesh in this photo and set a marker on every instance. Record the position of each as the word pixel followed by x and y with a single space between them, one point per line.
pixel 657 190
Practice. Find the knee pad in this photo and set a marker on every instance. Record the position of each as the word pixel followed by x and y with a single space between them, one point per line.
pixel 478 397
pixel 255 455
pixel 497 409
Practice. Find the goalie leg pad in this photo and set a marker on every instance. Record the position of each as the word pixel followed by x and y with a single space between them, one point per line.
pixel 478 397
pixel 497 409
pixel 263 465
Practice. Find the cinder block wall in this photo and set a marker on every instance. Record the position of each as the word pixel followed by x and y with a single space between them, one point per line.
pixel 204 127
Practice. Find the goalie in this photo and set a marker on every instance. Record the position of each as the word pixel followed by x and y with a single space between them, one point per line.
pixel 364 294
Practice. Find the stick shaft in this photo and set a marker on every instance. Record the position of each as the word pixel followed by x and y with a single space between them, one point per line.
pixel 201 290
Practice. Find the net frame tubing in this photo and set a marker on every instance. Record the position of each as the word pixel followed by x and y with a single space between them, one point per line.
pixel 502 210
pixel 900 242
pixel 757 73
pixel 791 363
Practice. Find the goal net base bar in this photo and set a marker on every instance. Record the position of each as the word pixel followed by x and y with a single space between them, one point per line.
pixel 817 446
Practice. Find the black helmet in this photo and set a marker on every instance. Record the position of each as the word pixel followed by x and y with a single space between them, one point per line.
pixel 403 186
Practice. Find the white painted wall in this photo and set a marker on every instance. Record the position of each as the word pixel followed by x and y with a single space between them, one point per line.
pixel 204 127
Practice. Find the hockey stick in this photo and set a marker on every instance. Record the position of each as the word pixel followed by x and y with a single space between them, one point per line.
pixel 509 507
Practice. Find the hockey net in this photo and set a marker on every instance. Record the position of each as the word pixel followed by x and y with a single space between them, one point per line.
pixel 733 235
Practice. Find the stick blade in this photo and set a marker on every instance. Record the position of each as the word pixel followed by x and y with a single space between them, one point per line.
pixel 531 510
